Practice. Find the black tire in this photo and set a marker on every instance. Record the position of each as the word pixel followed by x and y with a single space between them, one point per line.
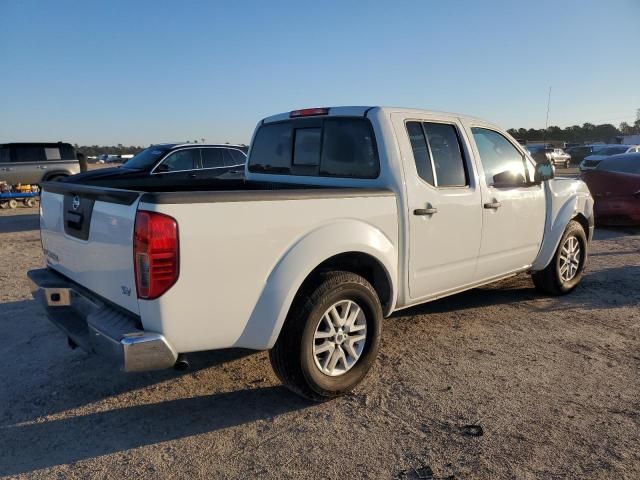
pixel 292 357
pixel 549 280
pixel 13 203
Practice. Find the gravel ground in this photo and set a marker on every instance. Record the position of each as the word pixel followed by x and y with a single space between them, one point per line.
pixel 498 382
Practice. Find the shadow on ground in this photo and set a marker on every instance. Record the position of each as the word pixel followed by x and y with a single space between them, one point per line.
pixel 126 428
pixel 521 289
pixel 19 223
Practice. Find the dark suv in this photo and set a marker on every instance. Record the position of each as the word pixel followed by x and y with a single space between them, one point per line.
pixel 170 164
pixel 37 162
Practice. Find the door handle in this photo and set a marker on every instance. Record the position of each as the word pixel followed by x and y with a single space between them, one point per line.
pixel 493 205
pixel 192 175
pixel 42 167
pixel 425 211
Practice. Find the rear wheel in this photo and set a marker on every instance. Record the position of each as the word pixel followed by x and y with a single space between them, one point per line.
pixel 565 270
pixel 330 338
pixel 13 203
pixel 30 202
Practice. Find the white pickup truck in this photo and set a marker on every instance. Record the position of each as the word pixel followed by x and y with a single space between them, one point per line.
pixel 346 215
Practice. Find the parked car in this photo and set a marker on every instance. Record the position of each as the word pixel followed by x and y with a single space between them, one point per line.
pixel 604 152
pixel 34 163
pixel 539 153
pixel 168 164
pixel 346 215
pixel 578 153
pixel 615 186
pixel 559 157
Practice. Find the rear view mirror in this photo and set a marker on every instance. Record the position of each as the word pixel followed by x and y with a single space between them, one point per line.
pixel 544 171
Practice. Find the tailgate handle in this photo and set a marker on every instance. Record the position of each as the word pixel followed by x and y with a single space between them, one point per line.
pixel 74 219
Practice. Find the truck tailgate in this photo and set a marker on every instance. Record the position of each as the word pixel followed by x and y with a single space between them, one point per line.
pixel 87 235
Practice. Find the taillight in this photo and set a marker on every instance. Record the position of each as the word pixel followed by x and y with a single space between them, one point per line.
pixel 155 253
pixel 309 112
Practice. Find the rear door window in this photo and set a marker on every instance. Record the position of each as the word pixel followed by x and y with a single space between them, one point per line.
pixel 437 154
pixel 420 152
pixel 227 158
pixel 335 147
pixel 27 154
pixel 4 155
pixel 444 146
pixel 212 158
pixel 239 158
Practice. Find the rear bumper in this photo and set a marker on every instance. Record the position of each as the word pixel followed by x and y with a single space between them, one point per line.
pixel 99 328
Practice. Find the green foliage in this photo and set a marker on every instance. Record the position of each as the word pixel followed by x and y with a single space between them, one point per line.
pixel 586 133
pixel 95 150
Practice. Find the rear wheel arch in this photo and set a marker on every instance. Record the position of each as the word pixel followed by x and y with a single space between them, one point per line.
pixel 362 264
pixel 55 176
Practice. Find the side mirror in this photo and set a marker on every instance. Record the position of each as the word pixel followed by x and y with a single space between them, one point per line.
pixel 508 179
pixel 163 167
pixel 544 171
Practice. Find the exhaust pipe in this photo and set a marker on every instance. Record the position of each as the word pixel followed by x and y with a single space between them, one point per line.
pixel 182 363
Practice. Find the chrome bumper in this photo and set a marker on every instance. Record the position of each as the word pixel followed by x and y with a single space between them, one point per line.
pixel 97 327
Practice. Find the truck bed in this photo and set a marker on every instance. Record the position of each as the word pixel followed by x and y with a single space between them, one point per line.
pixel 226 229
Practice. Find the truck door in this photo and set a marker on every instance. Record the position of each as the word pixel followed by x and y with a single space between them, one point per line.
pixel 513 213
pixel 443 203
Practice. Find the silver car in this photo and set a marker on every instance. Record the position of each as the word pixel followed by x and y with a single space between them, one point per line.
pixel 33 163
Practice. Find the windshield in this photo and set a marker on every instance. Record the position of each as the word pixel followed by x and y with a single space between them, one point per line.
pixel 629 163
pixel 147 158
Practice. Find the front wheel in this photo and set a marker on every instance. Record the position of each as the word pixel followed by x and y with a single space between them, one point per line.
pixel 330 338
pixel 565 270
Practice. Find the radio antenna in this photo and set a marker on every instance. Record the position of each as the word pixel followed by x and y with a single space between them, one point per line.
pixel 546 125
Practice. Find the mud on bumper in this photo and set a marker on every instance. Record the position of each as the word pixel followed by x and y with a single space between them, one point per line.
pixel 97 327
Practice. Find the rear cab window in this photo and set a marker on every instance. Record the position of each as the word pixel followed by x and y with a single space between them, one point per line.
pixel 327 147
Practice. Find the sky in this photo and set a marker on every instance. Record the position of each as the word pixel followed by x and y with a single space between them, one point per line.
pixel 141 72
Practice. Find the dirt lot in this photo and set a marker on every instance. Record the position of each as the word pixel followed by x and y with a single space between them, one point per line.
pixel 553 382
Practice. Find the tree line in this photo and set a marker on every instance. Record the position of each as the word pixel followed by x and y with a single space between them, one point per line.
pixel 95 150
pixel 588 132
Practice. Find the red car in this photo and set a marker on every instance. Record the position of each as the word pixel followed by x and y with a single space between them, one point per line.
pixel 615 187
